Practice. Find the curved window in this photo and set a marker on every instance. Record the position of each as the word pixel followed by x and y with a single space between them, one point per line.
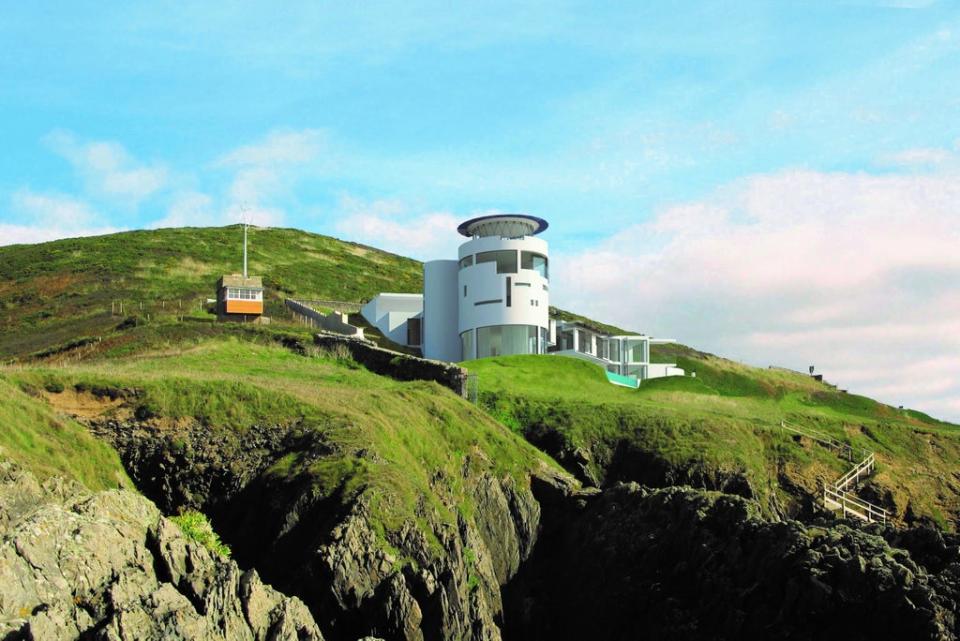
pixel 466 261
pixel 501 340
pixel 506 260
pixel 536 262
pixel 466 345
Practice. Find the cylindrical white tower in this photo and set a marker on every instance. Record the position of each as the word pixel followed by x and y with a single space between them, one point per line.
pixel 503 287
pixel 440 310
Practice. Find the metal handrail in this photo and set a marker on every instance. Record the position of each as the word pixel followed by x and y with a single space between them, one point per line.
pixel 837 491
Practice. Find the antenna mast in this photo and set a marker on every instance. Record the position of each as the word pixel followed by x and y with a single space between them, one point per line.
pixel 243 210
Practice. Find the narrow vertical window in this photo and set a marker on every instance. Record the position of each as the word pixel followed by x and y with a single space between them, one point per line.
pixel 509 299
pixel 464 291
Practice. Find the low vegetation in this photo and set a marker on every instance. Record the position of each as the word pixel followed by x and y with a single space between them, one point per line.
pixel 722 423
pixel 52 294
pixel 49 444
pixel 196 527
pixel 389 440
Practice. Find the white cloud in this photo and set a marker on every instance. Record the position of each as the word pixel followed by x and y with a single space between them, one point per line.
pixel 389 225
pixel 924 156
pixel 855 273
pixel 265 171
pixel 108 169
pixel 277 148
pixel 189 209
pixel 41 217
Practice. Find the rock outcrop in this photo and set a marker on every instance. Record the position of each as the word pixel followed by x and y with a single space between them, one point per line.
pixel 109 566
pixel 678 563
pixel 425 578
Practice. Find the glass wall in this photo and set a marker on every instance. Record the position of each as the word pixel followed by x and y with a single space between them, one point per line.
pixel 506 260
pixel 466 345
pixel 614 348
pixel 583 342
pixel 536 262
pixel 501 340
pixel 636 351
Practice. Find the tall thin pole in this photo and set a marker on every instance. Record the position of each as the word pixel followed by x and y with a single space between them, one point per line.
pixel 244 250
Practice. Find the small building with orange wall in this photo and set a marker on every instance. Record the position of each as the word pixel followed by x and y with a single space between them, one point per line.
pixel 239 298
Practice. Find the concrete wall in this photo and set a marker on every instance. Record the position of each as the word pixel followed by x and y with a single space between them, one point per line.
pixel 389 313
pixel 441 338
pixel 529 292
pixel 659 370
pixel 333 322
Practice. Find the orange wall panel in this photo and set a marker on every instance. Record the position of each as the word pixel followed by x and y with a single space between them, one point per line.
pixel 244 307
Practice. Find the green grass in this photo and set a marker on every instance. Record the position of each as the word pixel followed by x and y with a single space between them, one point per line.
pixel 196 527
pixel 46 444
pixel 52 293
pixel 409 446
pixel 724 420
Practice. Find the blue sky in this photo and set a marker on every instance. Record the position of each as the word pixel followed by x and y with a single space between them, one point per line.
pixel 385 122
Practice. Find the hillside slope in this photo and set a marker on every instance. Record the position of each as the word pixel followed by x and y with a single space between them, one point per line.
pixel 721 431
pixel 397 509
pixel 57 292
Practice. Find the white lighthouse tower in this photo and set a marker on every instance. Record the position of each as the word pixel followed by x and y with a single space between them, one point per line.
pixel 493 300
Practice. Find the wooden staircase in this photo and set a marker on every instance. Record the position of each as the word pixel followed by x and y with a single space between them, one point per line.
pixel 839 494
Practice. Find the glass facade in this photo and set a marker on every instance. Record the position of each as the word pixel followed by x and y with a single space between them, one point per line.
pixel 614 348
pixel 636 351
pixel 506 260
pixel 584 343
pixel 536 262
pixel 602 347
pixel 502 340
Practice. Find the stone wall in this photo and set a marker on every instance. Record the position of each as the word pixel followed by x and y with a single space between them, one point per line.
pixel 396 364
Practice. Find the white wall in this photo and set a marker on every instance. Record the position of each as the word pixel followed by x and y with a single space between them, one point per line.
pixel 484 283
pixel 389 313
pixel 441 340
pixel 659 370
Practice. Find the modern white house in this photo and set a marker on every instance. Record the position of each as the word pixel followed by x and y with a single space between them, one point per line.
pixel 494 300
pixel 626 358
pixel 397 316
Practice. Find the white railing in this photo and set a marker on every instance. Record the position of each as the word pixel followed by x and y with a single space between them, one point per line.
pixel 836 496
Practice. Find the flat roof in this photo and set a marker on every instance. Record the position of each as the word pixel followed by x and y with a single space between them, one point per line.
pixel 530 224
pixel 237 280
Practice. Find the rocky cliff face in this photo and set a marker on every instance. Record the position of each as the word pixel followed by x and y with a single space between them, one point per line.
pixel 423 579
pixel 109 566
pixel 678 563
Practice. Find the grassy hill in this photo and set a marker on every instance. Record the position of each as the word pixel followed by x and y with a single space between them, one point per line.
pixel 52 294
pixel 388 438
pixel 723 426
pixel 717 430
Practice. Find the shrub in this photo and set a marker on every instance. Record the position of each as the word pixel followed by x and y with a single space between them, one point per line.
pixel 196 527
pixel 54 387
pixel 145 410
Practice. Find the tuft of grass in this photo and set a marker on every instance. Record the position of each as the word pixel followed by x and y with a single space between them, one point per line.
pixel 196 527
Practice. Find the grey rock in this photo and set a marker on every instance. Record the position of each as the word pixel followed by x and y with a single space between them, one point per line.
pixel 109 566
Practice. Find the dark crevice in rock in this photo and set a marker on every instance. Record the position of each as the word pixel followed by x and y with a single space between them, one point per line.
pixel 675 563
